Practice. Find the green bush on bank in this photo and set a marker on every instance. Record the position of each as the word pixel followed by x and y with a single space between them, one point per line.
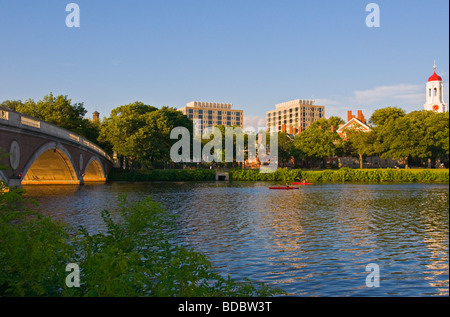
pixel 343 175
pixel 133 258
pixel 162 175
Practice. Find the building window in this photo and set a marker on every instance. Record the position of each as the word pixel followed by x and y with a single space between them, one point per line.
pixel 435 92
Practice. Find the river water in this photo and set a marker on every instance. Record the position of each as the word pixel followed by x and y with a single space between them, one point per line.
pixel 314 241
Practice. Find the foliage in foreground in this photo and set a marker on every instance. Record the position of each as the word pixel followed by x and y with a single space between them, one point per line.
pixel 135 257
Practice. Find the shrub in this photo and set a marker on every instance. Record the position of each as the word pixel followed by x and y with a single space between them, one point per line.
pixel 162 175
pixel 135 257
pixel 344 175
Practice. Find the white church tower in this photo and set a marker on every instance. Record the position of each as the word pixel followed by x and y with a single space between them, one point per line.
pixel 435 93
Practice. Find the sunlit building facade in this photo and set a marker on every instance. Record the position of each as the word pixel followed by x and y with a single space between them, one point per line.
pixel 213 114
pixel 293 116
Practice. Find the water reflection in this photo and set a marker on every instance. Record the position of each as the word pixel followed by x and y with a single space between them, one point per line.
pixel 315 241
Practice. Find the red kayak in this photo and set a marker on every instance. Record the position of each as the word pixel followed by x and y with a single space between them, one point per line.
pixel 301 183
pixel 285 187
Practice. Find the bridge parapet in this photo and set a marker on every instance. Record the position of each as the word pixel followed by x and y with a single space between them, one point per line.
pixel 22 121
pixel 43 153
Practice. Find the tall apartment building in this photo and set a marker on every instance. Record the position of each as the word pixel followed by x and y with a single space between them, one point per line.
pixel 212 114
pixel 293 116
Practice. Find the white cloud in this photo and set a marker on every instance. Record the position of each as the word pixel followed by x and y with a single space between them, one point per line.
pixel 254 122
pixel 404 93
pixel 327 102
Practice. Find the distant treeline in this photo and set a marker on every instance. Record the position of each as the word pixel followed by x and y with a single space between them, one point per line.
pixel 139 134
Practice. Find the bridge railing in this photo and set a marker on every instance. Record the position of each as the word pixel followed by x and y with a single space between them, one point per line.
pixel 19 120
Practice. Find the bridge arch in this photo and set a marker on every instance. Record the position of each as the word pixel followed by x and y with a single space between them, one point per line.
pixel 4 178
pixel 50 164
pixel 94 171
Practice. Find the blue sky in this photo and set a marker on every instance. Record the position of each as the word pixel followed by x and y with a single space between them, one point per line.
pixel 252 53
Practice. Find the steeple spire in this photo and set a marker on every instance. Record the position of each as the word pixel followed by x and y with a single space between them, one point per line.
pixel 435 93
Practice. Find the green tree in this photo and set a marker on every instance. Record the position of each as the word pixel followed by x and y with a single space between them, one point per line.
pixel 380 120
pixel 286 148
pixel 361 143
pixel 141 132
pixel 59 111
pixel 406 137
pixel 380 117
pixel 317 143
pixel 155 140
pixel 11 104
pixel 437 134
pixel 326 124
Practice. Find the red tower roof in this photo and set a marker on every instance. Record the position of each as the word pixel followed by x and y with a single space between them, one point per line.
pixel 435 77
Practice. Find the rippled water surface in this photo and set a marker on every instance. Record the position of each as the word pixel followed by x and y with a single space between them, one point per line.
pixel 314 241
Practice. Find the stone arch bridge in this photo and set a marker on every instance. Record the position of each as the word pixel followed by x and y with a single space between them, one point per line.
pixel 42 153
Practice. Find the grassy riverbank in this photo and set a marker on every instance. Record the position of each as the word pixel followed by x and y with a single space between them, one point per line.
pixel 342 175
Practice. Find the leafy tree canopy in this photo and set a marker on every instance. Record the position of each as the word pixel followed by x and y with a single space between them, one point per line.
pixel 57 110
